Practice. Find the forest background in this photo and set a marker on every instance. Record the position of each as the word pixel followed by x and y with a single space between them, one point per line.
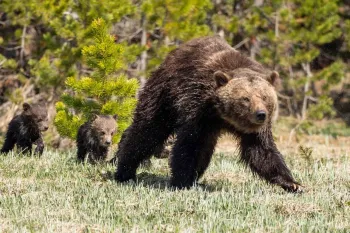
pixel 69 51
pixel 91 56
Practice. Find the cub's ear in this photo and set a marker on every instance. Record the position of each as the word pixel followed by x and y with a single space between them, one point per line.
pixel 94 116
pixel 221 78
pixel 26 107
pixel 115 117
pixel 274 79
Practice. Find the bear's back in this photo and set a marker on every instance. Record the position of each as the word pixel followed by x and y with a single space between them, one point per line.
pixel 202 57
pixel 195 52
pixel 201 48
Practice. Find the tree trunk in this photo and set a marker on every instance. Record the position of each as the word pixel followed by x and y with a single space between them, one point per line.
pixel 306 67
pixel 143 61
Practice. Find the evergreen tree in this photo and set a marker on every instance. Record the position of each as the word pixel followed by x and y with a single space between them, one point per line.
pixel 51 34
pixel 106 91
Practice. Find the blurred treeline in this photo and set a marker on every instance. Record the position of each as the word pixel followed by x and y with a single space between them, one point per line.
pixel 306 41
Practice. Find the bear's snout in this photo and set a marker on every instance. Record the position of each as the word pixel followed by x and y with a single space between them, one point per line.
pixel 260 116
pixel 43 127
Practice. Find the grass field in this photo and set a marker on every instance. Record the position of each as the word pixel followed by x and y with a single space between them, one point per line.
pixel 55 194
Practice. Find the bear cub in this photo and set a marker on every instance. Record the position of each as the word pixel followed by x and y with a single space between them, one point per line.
pixel 95 137
pixel 25 129
pixel 202 89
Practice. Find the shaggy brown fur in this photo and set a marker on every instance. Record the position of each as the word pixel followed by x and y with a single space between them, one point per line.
pixel 95 137
pixel 205 87
pixel 25 129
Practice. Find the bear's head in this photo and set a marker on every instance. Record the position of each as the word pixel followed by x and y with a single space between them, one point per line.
pixel 247 99
pixel 104 128
pixel 36 114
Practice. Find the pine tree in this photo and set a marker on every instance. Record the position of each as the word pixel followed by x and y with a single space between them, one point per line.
pixel 106 91
pixel 54 32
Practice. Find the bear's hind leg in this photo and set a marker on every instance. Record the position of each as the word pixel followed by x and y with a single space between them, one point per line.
pixel 259 152
pixel 9 143
pixel 138 143
pixel 192 153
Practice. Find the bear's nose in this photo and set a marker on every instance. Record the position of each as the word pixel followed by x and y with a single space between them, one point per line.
pixel 108 142
pixel 260 116
pixel 46 128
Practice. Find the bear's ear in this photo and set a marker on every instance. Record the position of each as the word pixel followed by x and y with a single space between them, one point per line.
pixel 221 78
pixel 274 79
pixel 115 117
pixel 26 107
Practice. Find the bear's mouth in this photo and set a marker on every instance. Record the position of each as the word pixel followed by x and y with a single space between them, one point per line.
pixel 245 125
pixel 43 129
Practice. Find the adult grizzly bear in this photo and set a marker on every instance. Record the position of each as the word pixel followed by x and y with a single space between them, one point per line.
pixel 203 88
pixel 25 129
pixel 95 137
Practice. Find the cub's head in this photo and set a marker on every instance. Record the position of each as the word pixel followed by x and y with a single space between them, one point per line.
pixel 247 99
pixel 36 114
pixel 105 128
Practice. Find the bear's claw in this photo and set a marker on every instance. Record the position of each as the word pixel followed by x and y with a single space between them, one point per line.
pixel 293 188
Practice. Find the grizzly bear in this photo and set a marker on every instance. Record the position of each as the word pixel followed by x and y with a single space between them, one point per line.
pixel 204 88
pixel 25 129
pixel 95 137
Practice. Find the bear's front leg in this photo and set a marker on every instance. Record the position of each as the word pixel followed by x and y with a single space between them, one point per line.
pixel 259 152
pixel 81 152
pixel 25 145
pixel 39 146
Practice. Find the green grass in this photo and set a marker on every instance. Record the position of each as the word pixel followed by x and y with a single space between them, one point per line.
pixel 55 194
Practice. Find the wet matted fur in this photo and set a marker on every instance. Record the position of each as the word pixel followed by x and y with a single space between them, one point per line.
pixel 203 88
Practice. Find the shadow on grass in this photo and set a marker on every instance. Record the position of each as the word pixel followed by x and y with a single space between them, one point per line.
pixel 151 180
pixel 162 182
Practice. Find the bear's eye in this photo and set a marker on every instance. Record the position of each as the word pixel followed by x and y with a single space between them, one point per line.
pixel 103 132
pixel 245 99
pixel 112 133
pixel 264 97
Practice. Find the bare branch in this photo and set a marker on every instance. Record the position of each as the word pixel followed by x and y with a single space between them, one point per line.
pixel 288 101
pixel 237 46
pixel 2 62
pixel 11 49
pixel 21 55
pixel 143 62
pixel 306 68
pixel 313 99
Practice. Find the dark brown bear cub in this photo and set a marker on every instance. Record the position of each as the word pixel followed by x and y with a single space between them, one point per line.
pixel 95 137
pixel 25 129
pixel 204 88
